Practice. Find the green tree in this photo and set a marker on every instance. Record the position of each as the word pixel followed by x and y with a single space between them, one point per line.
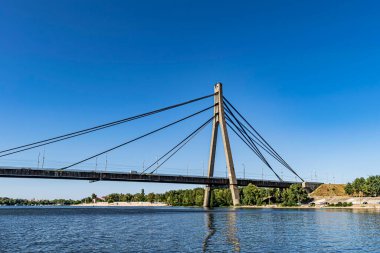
pixel 277 195
pixel 253 195
pixel 294 195
pixel 372 186
pixel 221 197
pixel 159 197
pixel 364 187
pixel 94 197
pixel 126 197
pixel 113 197
pixel 150 197
pixel 199 195
pixel 359 185
pixel 349 189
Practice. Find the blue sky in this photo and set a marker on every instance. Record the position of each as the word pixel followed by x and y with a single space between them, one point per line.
pixel 306 74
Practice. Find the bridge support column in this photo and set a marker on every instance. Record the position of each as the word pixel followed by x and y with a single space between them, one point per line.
pixel 219 119
pixel 310 186
pixel 207 197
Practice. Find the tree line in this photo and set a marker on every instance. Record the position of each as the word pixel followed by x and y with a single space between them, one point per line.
pixel 26 202
pixel 369 187
pixel 249 195
pixel 220 197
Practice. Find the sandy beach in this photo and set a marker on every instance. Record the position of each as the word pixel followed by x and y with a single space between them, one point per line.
pixel 104 204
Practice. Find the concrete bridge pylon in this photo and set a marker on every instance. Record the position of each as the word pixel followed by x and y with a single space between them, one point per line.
pixel 220 121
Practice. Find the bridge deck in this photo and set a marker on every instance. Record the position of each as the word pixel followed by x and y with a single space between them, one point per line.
pixel 13 172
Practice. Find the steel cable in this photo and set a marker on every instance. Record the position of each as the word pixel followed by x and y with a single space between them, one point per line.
pixel 184 144
pixel 288 166
pixel 138 138
pixel 253 148
pixel 181 142
pixel 96 128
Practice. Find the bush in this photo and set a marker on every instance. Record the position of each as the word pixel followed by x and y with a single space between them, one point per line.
pixel 340 204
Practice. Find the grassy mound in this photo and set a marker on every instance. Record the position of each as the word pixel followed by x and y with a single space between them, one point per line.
pixel 329 190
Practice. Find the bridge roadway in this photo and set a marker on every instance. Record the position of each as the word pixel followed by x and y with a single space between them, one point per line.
pixel 20 172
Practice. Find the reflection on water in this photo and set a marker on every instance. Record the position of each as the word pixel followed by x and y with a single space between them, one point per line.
pixel 366 210
pixel 232 232
pixel 209 221
pixel 173 229
pixel 229 230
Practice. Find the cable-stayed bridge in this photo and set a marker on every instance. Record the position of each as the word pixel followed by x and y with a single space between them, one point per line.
pixel 225 117
pixel 93 176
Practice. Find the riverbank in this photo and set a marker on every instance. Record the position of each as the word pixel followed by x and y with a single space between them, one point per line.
pixel 323 202
pixel 363 207
pixel 135 204
pixel 147 204
pixel 320 200
pixel 306 206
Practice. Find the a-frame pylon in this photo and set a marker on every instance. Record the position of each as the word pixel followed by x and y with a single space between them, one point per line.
pixel 219 120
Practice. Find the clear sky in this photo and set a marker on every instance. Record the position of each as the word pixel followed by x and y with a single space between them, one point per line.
pixel 305 73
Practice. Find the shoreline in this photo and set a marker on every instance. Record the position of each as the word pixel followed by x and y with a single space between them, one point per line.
pixel 356 207
pixel 131 204
pixel 148 204
pixel 375 208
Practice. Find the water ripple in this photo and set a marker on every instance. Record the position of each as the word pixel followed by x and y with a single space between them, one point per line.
pixel 128 229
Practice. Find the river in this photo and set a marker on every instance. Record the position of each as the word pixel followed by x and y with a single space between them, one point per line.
pixel 175 229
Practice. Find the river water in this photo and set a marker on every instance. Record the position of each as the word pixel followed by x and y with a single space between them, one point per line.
pixel 169 229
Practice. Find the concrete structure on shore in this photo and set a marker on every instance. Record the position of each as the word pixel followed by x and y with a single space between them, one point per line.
pixel 310 186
